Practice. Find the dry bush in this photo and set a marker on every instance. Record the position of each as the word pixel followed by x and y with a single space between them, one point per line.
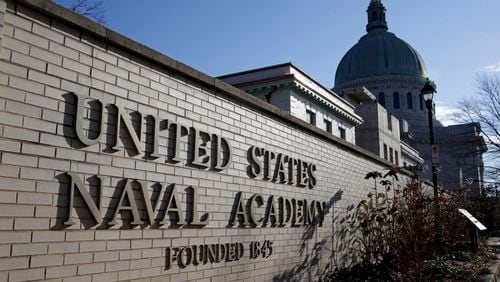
pixel 403 234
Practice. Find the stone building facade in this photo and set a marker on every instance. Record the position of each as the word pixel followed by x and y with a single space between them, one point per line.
pixel 379 133
pixel 394 72
pixel 353 115
pixel 118 163
pixel 292 90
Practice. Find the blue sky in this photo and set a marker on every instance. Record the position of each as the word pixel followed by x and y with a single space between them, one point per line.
pixel 456 38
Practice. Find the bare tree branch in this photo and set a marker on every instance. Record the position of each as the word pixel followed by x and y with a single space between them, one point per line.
pixel 89 8
pixel 484 108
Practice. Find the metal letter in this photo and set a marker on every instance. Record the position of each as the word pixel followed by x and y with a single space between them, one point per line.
pixel 238 211
pixel 310 212
pixel 127 191
pixel 200 156
pixel 174 199
pixel 298 214
pixel 196 219
pixel 150 211
pixel 188 257
pixel 286 208
pixel 271 212
pixel 291 170
pixel 197 258
pixel 231 251
pixel 78 183
pixel 136 138
pixel 268 156
pixel 279 169
pixel 156 137
pixel 240 250
pixel 219 158
pixel 312 176
pixel 171 257
pixel 221 252
pixel 302 178
pixel 210 253
pixel 260 201
pixel 321 210
pixel 255 167
pixel 80 108
pixel 180 131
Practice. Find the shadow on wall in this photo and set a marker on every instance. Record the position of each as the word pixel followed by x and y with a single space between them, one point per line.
pixel 99 123
pixel 309 267
pixel 82 217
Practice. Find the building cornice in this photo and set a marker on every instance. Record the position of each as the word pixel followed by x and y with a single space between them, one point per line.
pixel 411 152
pixel 386 79
pixel 352 117
pixel 290 80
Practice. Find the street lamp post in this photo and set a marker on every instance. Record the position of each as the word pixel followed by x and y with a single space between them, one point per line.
pixel 428 92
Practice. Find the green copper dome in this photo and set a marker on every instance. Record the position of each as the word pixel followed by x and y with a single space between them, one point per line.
pixel 379 53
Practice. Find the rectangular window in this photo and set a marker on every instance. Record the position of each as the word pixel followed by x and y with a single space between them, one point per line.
pixel 342 133
pixel 395 100
pixel 396 157
pixel 389 121
pixel 391 155
pixel 385 151
pixel 311 117
pixel 409 101
pixel 328 126
pixel 381 99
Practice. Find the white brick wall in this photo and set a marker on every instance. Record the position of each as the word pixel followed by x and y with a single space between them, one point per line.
pixel 3 6
pixel 43 60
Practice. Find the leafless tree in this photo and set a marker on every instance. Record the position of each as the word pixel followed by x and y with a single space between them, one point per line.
pixel 89 8
pixel 484 108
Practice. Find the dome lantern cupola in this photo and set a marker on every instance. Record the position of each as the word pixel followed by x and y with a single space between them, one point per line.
pixel 379 53
pixel 376 16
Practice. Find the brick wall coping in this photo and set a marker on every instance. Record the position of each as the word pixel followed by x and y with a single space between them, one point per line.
pixel 120 41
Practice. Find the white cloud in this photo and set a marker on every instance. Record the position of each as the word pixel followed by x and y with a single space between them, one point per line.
pixel 492 68
pixel 444 114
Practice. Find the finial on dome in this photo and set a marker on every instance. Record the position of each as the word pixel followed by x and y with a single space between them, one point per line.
pixel 376 16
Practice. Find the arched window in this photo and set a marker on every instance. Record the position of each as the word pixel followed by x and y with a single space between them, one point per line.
pixel 421 98
pixel 381 98
pixel 395 100
pixel 409 101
